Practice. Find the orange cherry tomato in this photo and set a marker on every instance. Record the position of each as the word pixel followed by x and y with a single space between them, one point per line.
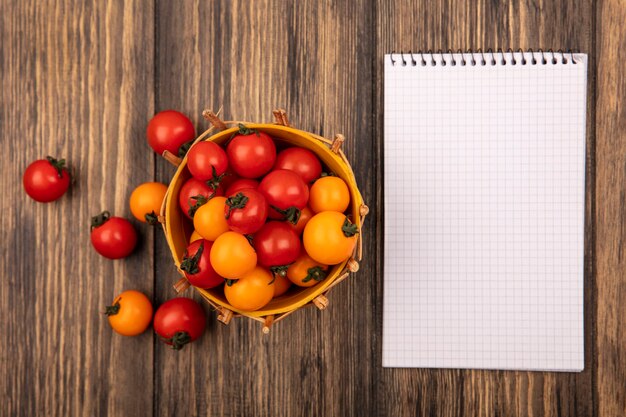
pixel 209 220
pixel 281 285
pixel 329 237
pixel 194 236
pixel 305 215
pixel 305 272
pixel 232 256
pixel 252 291
pixel 146 201
pixel 130 314
pixel 329 194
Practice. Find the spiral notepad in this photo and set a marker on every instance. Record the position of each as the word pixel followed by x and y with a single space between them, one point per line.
pixel 484 171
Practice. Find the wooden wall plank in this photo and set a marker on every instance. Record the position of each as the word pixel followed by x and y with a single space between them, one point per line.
pixel 424 25
pixel 610 279
pixel 314 59
pixel 76 82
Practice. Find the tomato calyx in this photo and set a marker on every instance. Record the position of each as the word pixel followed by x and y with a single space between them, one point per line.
pixel 151 218
pixel 250 239
pixel 190 264
pixel 237 201
pixel 291 214
pixel 184 148
pixel 200 200
pixel 349 229
pixel 244 130
pixel 179 340
pixel 278 270
pixel 229 281
pixel 100 219
pixel 58 164
pixel 316 273
pixel 114 309
pixel 327 174
pixel 216 180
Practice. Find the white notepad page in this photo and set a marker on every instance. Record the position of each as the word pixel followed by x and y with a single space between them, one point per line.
pixel 484 171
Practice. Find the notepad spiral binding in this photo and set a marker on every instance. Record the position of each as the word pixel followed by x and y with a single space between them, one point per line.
pixel 482 57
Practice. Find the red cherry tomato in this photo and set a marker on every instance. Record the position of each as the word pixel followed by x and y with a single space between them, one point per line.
pixel 197 265
pixel 246 211
pixel 179 321
pixel 277 245
pixel 301 161
pixel 169 130
pixel 251 153
pixel 286 194
pixel 195 193
pixel 112 237
pixel 46 180
pixel 241 184
pixel 207 161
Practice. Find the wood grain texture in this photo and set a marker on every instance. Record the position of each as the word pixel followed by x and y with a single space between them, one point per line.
pixel 76 83
pixel 610 277
pixel 425 25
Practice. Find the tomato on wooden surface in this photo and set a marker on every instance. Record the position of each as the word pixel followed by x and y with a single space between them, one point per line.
pixel 193 194
pixel 112 237
pixel 207 161
pixel 251 153
pixel 146 201
pixel 246 211
pixel 46 180
pixel 305 215
pixel 209 220
pixel 240 185
pixel 252 291
pixel 329 194
pixel 301 161
pixel 329 237
pixel 277 245
pixel 305 272
pixel 130 313
pixel 194 236
pixel 281 285
pixel 286 194
pixel 232 256
pixel 169 130
pixel 179 321
pixel 196 265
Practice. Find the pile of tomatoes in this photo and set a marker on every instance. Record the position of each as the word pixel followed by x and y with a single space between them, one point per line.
pixel 263 218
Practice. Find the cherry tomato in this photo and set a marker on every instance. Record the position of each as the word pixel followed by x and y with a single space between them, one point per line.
pixel 146 201
pixel 232 256
pixel 241 184
pixel 196 265
pixel 286 194
pixel 329 194
pixel 209 220
pixel 246 211
pixel 281 285
pixel 46 180
pixel 301 161
pixel 329 237
pixel 252 291
pixel 277 245
pixel 194 236
pixel 112 237
pixel 305 272
pixel 251 153
pixel 130 314
pixel 179 321
pixel 305 215
pixel 169 130
pixel 207 161
pixel 193 194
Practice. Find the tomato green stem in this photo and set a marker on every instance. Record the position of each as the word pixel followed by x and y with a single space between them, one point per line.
pixel 237 201
pixel 184 148
pixel 229 282
pixel 200 200
pixel 100 219
pixel 59 165
pixel 278 270
pixel 291 214
pixel 190 264
pixel 216 180
pixel 114 309
pixel 244 130
pixel 179 340
pixel 151 218
pixel 349 229
pixel 316 273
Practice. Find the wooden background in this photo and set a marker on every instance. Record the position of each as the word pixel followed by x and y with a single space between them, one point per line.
pixel 81 79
